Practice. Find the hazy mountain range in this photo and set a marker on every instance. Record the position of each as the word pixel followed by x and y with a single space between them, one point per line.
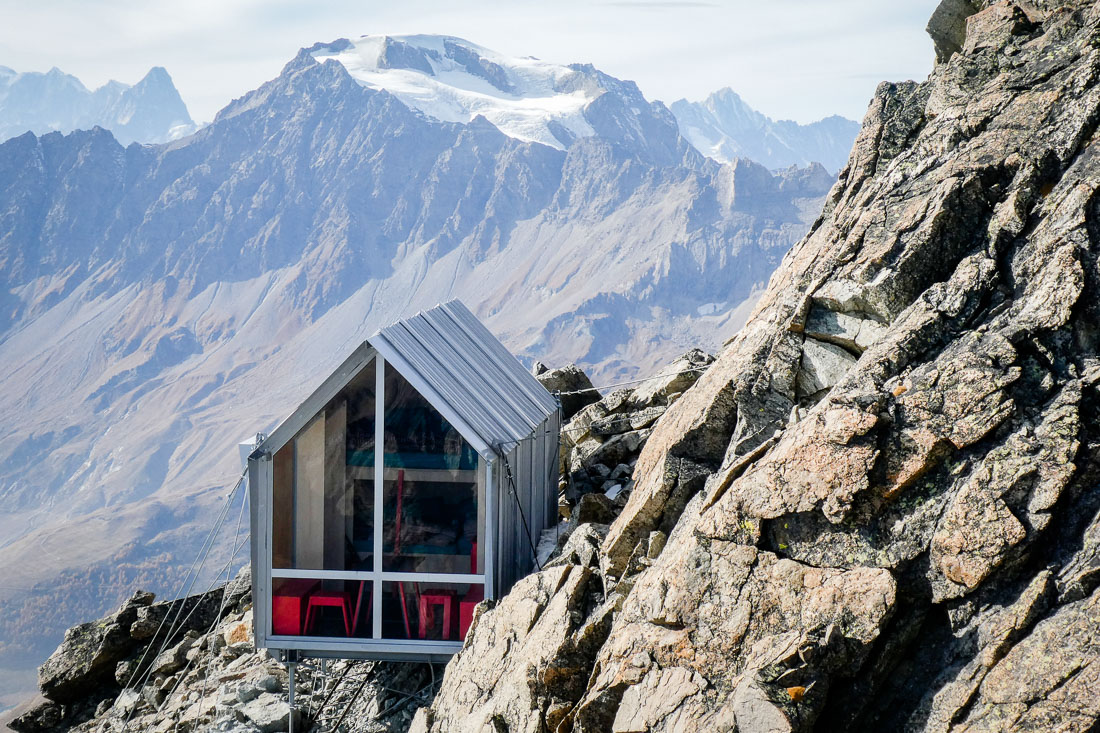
pixel 159 303
pixel 723 127
pixel 150 111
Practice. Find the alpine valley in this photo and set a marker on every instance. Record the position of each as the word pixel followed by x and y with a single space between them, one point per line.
pixel 158 303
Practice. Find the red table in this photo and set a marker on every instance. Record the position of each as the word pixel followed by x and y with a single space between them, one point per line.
pixel 288 606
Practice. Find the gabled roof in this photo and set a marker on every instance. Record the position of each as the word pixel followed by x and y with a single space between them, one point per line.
pixel 468 375
pixel 458 366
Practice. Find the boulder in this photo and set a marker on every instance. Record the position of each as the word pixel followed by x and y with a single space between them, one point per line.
pixel 269 713
pixel 87 657
pixel 38 714
pixel 947 26
pixel 849 331
pixel 594 507
pixel 579 427
pixel 574 385
pixel 194 613
pixel 618 448
pixel 673 379
pixel 174 657
pixel 823 365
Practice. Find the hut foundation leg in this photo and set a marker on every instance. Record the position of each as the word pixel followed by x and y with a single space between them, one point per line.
pixel 290 668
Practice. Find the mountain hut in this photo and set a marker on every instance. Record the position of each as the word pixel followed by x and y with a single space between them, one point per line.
pixel 412 484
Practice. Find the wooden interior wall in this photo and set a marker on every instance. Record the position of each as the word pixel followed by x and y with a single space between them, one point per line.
pixel 282 516
pixel 309 495
pixel 337 511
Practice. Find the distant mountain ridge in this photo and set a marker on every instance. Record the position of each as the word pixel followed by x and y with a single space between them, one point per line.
pixel 150 111
pixel 724 127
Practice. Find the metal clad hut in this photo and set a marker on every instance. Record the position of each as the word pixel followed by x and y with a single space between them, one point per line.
pixel 468 477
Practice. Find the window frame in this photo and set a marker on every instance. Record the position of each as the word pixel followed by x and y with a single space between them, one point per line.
pixel 376 644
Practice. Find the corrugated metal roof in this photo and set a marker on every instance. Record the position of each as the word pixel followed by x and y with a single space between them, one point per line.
pixel 471 378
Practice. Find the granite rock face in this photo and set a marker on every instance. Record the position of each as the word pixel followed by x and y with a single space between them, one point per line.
pixel 200 672
pixel 886 511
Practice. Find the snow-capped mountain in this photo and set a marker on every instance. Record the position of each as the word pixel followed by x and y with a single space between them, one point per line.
pixel 452 80
pixel 157 303
pixel 724 127
pixel 150 111
pixel 448 79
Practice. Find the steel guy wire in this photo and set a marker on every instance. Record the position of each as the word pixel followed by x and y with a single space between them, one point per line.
pixel 236 534
pixel 182 593
pixel 522 515
pixel 196 567
pixel 635 381
pixel 209 630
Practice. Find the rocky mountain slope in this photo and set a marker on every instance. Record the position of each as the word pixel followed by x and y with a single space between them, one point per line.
pixel 160 303
pixel 150 111
pixel 890 474
pixel 723 127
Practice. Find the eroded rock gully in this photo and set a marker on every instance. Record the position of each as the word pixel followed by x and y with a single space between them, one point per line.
pixel 885 488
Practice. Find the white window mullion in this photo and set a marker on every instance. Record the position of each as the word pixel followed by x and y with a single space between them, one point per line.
pixel 379 466
pixel 452 578
pixel 488 553
pixel 322 574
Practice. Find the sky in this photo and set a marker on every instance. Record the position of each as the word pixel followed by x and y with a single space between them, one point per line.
pixel 790 59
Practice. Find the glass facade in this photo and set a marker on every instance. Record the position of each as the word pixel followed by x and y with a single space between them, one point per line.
pixel 428 611
pixel 433 517
pixel 423 508
pixel 323 486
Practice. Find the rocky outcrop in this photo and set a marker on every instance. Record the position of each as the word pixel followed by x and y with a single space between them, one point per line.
pixel 139 647
pixel 190 665
pixel 601 442
pixel 881 498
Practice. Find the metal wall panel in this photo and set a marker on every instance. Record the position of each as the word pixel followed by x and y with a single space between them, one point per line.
pixel 514 385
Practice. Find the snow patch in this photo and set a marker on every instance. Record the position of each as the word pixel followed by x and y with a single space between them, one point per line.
pixel 452 80
pixel 548 542
pixel 709 309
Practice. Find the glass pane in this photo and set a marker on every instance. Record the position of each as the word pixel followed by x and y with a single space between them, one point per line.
pixel 323 486
pixel 314 607
pixel 432 611
pixel 433 488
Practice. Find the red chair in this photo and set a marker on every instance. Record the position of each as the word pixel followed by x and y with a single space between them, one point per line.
pixel 456 614
pixel 336 599
pixel 466 609
pixel 429 599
